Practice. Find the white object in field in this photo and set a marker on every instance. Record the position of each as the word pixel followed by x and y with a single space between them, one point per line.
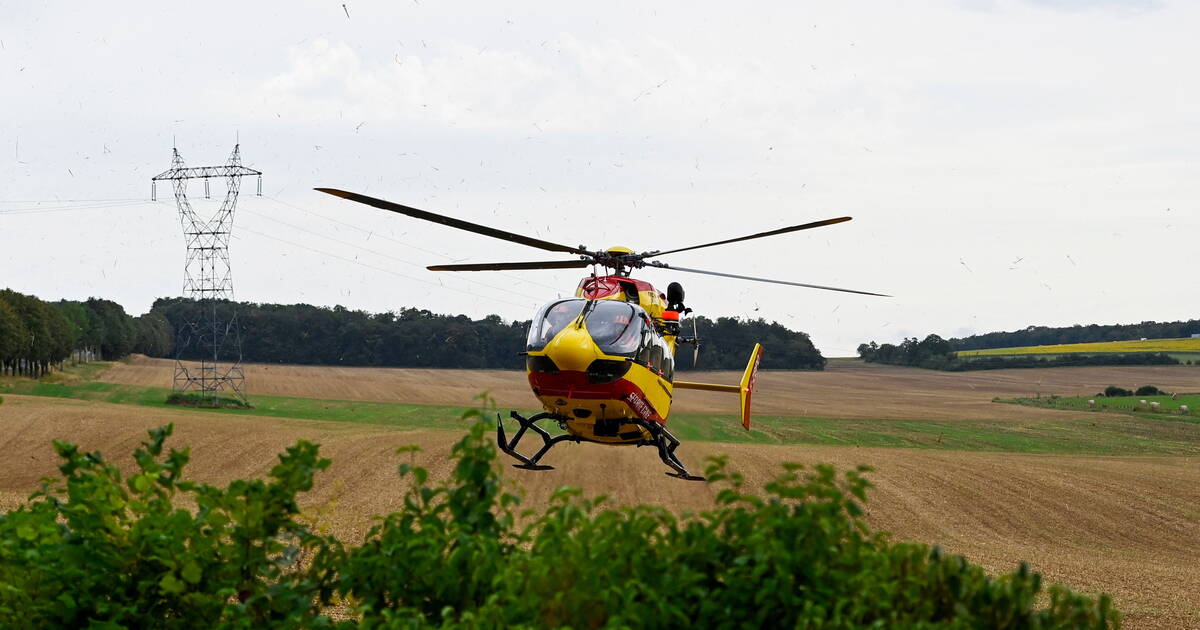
pixel 1155 406
pixel 1184 409
pixel 1092 404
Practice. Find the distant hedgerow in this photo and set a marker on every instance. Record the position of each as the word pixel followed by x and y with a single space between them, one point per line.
pixel 205 401
pixel 97 549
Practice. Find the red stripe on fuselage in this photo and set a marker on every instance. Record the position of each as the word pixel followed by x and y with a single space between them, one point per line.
pixel 570 385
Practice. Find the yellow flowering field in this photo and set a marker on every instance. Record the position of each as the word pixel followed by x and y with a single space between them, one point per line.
pixel 1149 345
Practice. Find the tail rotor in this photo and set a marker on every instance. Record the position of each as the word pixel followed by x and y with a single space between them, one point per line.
pixel 696 344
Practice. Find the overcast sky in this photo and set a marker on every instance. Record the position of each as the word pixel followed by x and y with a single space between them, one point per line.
pixel 1006 163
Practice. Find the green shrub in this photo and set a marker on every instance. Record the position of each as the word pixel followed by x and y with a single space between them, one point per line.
pixel 98 550
pixel 203 401
pixel 108 552
pixel 1148 390
pixel 1113 391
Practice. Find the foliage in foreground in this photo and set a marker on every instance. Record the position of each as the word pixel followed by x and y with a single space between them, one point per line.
pixel 104 551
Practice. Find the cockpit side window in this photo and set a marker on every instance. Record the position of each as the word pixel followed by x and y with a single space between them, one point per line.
pixel 550 320
pixel 655 354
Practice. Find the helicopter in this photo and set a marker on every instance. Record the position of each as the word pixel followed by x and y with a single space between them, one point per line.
pixel 602 362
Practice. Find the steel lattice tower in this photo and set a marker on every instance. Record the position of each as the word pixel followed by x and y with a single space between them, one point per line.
pixel 208 280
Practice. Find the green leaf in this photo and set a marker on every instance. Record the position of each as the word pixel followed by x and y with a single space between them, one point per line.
pixel 140 483
pixel 25 531
pixel 171 585
pixel 191 572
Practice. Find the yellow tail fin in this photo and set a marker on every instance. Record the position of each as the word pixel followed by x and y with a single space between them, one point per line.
pixel 747 387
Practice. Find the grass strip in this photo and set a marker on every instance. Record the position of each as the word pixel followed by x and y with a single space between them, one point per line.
pixel 1105 435
pixel 1170 407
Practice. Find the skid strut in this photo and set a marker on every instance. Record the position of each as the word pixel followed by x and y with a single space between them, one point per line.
pixel 661 438
pixel 510 447
pixel 667 444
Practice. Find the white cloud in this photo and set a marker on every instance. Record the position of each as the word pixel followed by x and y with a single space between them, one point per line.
pixel 568 85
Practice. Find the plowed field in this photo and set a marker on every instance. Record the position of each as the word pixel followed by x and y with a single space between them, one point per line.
pixel 1129 526
pixel 846 389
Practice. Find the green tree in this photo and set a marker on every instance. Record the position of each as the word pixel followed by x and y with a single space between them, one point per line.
pixel 61 339
pixel 112 328
pixel 14 337
pixel 154 336
pixel 79 320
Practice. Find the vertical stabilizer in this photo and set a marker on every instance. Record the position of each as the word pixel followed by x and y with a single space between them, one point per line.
pixel 747 387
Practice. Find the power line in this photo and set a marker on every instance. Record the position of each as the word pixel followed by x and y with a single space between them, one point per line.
pixel 53 209
pixel 381 269
pixel 67 200
pixel 398 241
pixel 378 253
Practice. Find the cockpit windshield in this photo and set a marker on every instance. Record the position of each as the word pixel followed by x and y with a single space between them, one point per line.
pixel 616 327
pixel 550 319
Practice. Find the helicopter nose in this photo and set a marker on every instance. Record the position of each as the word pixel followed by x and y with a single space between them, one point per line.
pixel 573 349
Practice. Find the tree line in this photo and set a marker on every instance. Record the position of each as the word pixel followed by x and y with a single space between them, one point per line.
pixel 1091 333
pixel 931 352
pixel 725 344
pixel 411 337
pixel 36 335
pixel 936 353
pixel 313 335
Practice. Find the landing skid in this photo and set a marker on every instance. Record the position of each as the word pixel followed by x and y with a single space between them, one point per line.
pixel 661 438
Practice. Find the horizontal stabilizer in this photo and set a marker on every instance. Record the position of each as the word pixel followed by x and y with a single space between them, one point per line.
pixel 733 389
pixel 744 390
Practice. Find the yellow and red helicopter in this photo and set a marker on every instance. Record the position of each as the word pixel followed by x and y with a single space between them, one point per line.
pixel 602 363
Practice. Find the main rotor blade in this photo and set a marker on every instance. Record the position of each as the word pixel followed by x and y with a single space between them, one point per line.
pixel 549 264
pixel 451 222
pixel 794 228
pixel 794 284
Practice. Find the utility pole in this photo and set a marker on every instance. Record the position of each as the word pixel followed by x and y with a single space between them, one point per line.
pixel 213 332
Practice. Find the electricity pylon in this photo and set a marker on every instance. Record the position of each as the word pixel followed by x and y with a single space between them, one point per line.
pixel 213 333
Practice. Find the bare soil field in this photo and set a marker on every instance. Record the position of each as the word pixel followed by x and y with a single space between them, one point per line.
pixel 846 389
pixel 1129 526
